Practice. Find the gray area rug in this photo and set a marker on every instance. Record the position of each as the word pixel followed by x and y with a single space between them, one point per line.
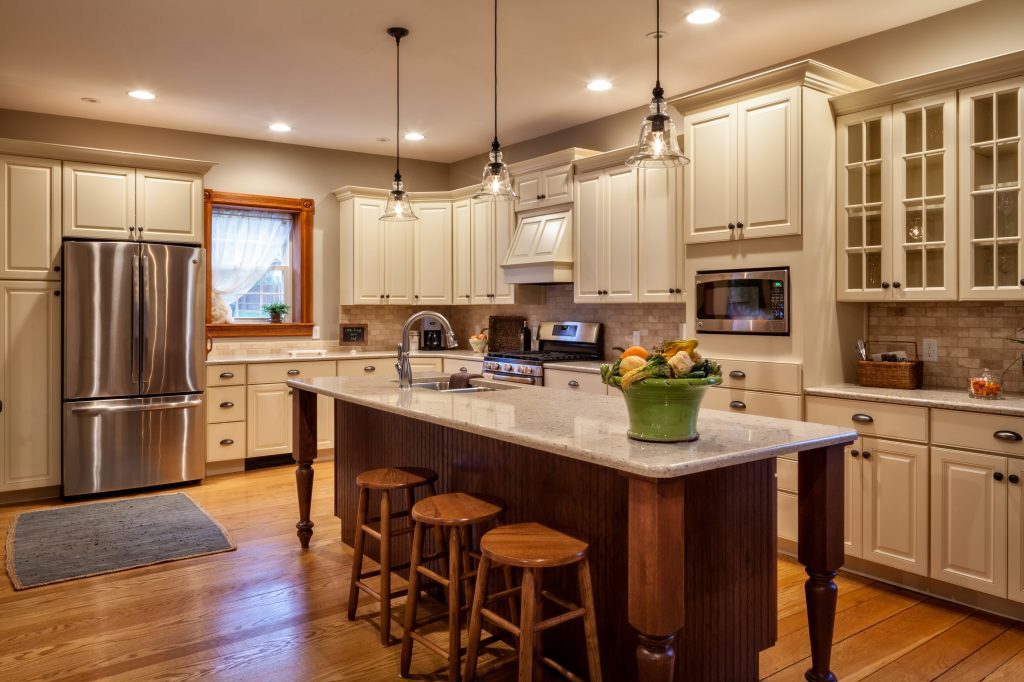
pixel 82 540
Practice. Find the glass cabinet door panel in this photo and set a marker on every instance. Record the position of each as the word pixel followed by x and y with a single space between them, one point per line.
pixel 934 262
pixel 984 159
pixel 934 129
pixel 983 265
pixel 1006 213
pixel 982 219
pixel 915 131
pixel 855 186
pixel 1006 163
pixel 1007 265
pixel 873 267
pixel 855 230
pixel 873 229
pixel 933 172
pixel 855 270
pixel 873 180
pixel 935 224
pixel 913 180
pixel 873 147
pixel 915 269
pixel 983 119
pixel 855 143
pixel 1007 115
pixel 914 233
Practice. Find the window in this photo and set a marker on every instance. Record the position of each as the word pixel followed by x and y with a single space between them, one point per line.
pixel 259 253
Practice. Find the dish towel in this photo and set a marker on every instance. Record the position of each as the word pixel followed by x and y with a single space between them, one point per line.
pixel 461 379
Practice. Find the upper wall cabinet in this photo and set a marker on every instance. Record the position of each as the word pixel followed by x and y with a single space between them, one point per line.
pixel 30 218
pixel 543 188
pixel 605 216
pixel 743 179
pixel 660 270
pixel 377 257
pixel 991 158
pixel 480 248
pixel 432 253
pixel 111 202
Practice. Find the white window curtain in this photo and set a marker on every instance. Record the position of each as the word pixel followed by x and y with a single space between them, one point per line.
pixel 244 245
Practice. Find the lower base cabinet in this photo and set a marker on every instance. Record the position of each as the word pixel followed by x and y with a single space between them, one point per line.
pixel 894 481
pixel 584 382
pixel 269 420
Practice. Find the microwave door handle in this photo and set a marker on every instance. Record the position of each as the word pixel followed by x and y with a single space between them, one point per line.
pixel 136 320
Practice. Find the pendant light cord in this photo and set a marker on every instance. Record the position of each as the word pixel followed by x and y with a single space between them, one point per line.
pixel 398 104
pixel 658 92
pixel 495 146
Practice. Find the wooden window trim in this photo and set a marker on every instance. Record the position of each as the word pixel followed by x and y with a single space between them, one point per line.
pixel 301 266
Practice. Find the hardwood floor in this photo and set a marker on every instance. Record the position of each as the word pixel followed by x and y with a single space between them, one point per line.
pixel 272 613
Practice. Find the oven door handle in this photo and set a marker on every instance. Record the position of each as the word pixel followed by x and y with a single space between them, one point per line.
pixel 514 380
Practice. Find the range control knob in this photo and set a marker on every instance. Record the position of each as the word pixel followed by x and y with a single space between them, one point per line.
pixel 507 368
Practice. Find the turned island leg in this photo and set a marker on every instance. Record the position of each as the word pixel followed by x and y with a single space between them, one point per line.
pixel 820 536
pixel 304 452
pixel 656 574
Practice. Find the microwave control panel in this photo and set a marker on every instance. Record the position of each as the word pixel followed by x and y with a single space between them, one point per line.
pixel 777 300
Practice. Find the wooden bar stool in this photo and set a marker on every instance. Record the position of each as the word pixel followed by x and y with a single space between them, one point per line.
pixel 456 513
pixel 385 481
pixel 533 547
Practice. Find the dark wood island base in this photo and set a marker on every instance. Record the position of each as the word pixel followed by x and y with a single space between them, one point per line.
pixel 684 569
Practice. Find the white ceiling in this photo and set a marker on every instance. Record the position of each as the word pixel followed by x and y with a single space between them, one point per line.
pixel 326 67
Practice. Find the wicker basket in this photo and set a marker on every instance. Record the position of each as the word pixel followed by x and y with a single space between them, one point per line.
pixel 905 375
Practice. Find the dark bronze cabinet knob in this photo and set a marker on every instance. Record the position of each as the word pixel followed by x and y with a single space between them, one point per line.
pixel 867 455
pixel 854 453
pixel 896 285
pixel 732 226
pixel 739 225
pixel 1014 479
pixel 998 475
pixel 885 285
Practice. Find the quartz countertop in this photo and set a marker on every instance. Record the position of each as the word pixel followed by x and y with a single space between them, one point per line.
pixel 235 358
pixel 945 398
pixel 582 426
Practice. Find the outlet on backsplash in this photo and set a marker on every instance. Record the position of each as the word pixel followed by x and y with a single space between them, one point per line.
pixel 930 350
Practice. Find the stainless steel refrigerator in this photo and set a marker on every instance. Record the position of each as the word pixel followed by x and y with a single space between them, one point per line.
pixel 134 337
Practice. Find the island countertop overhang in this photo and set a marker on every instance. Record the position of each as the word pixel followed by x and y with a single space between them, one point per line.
pixel 586 427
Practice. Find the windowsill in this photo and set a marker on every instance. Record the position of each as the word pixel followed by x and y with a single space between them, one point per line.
pixel 265 329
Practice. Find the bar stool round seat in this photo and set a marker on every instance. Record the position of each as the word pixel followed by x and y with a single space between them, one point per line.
pixel 456 509
pixel 395 478
pixel 531 545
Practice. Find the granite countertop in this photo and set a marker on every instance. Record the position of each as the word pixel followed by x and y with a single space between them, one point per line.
pixel 584 426
pixel 946 398
pixel 235 358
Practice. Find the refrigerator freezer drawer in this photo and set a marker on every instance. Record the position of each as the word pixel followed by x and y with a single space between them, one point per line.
pixel 133 443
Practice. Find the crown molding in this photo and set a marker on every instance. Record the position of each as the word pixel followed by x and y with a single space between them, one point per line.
pixel 563 157
pixel 110 157
pixel 972 73
pixel 807 73
pixel 616 157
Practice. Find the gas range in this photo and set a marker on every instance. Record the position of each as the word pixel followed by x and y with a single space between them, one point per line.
pixel 557 342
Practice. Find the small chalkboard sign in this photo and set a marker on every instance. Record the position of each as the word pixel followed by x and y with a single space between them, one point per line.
pixel 353 334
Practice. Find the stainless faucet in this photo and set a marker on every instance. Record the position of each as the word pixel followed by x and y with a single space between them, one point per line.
pixel 403 366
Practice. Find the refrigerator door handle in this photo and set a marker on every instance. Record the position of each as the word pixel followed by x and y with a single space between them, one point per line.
pixel 145 289
pixel 136 320
pixel 106 409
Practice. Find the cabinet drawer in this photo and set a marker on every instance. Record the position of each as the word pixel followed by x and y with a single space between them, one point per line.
pixel 786 478
pixel 276 372
pixel 753 402
pixel 905 422
pixel 575 381
pixel 780 377
pixel 978 431
pixel 225 441
pixel 225 404
pixel 421 366
pixel 451 366
pixel 357 367
pixel 788 515
pixel 225 375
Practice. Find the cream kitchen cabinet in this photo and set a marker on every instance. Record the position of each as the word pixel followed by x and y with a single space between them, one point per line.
pixel 365 367
pixel 584 382
pixel 969 519
pixel 482 232
pixel 896 202
pixel 382 255
pixel 432 253
pixel 30 211
pixel 991 167
pixel 452 365
pixel 894 481
pixel 743 180
pixel 543 188
pixel 660 267
pixel 605 220
pixel 269 419
pixel 30 384
pixel 111 202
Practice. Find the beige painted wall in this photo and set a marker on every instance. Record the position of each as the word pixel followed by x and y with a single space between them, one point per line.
pixel 984 29
pixel 250 167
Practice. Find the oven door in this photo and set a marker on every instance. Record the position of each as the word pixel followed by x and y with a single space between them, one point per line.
pixel 515 379
pixel 743 302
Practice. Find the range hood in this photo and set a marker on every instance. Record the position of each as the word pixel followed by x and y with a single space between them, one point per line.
pixel 541 250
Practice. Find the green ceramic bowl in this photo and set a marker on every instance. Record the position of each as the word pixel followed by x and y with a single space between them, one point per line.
pixel 664 410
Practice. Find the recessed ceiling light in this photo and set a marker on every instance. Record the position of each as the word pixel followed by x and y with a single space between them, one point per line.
pixel 280 127
pixel 414 137
pixel 704 15
pixel 599 85
pixel 141 94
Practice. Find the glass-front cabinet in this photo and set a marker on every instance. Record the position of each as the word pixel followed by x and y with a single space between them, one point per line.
pixel 864 258
pixel 991 262
pixel 924 206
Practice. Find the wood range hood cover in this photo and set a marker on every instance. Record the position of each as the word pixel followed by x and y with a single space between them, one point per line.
pixel 541 249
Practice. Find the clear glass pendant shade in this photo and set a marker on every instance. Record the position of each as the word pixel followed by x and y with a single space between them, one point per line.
pixel 398 208
pixel 496 182
pixel 658 146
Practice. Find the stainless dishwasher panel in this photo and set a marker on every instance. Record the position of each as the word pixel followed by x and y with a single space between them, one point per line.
pixel 133 443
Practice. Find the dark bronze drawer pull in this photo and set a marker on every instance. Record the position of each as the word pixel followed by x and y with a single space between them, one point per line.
pixel 293 372
pixel 738 405
pixel 1007 435
pixel 227 405
pixel 227 441
pixel 737 374
pixel 369 368
pixel 227 375
pixel 863 418
pixel 573 383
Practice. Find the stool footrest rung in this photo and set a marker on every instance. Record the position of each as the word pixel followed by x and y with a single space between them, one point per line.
pixel 503 623
pixel 567 605
pixel 559 619
pixel 398 592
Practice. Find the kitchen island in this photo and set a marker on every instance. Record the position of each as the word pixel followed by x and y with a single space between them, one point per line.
pixel 682 535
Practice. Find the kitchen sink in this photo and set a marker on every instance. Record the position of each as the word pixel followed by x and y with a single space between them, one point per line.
pixel 442 386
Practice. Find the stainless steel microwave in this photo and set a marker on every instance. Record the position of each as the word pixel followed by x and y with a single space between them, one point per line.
pixel 743 301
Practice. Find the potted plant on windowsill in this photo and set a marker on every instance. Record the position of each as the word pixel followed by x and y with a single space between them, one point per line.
pixel 276 311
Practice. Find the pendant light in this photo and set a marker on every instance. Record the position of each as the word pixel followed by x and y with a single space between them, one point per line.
pixel 658 146
pixel 398 208
pixel 496 183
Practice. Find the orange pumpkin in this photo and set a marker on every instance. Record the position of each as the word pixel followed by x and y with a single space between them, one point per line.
pixel 635 351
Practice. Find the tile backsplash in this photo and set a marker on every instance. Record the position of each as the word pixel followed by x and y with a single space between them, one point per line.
pixel 971 334
pixel 655 322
